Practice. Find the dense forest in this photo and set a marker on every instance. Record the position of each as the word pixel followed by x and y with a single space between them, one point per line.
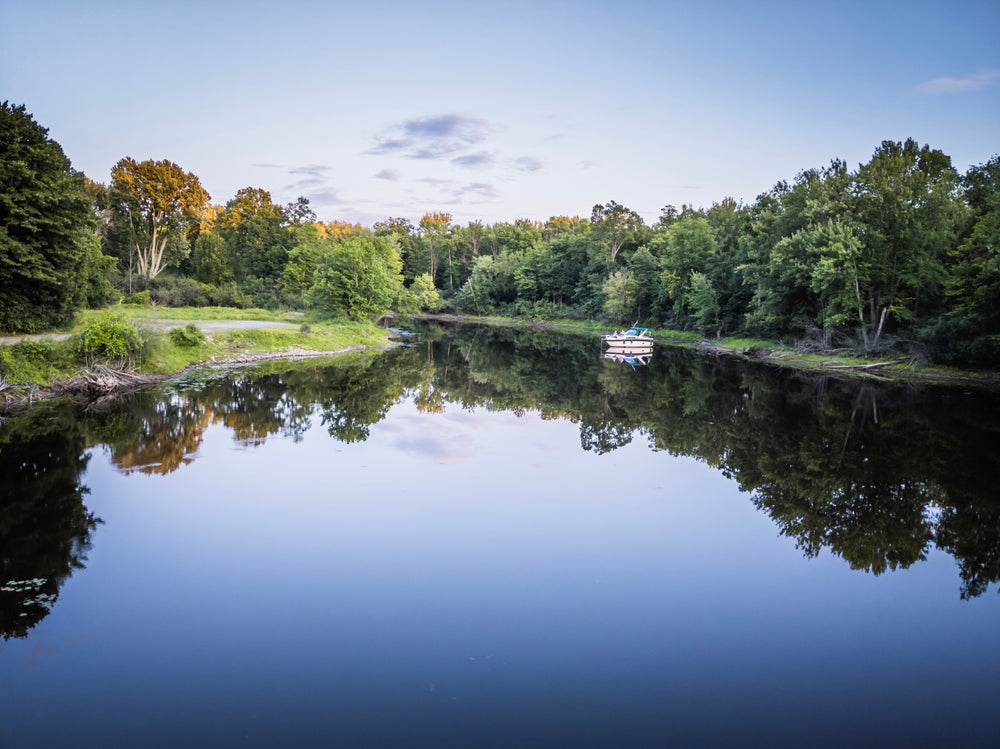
pixel 899 253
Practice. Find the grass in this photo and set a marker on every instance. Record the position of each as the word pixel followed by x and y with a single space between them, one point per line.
pixel 37 362
pixel 135 312
pixel 167 358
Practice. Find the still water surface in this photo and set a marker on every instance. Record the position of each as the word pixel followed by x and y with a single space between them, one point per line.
pixel 493 537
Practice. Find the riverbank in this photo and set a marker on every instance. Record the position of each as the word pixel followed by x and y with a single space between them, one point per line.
pixel 46 367
pixel 892 367
pixel 97 382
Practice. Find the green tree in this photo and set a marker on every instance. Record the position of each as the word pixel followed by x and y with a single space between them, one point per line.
pixel 157 201
pixel 257 234
pixel 972 325
pixel 645 271
pixel 46 226
pixel 359 278
pixel 704 303
pixel 907 202
pixel 619 296
pixel 435 229
pixel 210 259
pixel 616 227
pixel 690 248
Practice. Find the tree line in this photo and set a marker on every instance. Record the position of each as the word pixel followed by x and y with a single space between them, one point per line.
pixel 900 252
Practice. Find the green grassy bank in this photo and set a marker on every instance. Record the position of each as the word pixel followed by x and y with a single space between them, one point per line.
pixel 161 341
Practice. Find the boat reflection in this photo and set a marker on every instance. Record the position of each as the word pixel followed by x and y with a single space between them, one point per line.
pixel 633 359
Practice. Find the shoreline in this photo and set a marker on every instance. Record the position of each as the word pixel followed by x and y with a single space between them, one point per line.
pixel 763 354
pixel 100 381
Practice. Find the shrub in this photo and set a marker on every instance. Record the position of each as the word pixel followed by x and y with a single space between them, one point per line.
pixel 187 337
pixel 140 299
pixel 25 363
pixel 174 291
pixel 110 339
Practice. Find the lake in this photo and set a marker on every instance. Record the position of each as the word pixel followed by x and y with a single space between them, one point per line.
pixel 492 536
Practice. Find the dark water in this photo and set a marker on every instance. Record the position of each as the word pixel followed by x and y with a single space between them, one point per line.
pixel 494 537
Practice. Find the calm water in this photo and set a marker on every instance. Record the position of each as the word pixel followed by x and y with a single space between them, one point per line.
pixel 492 537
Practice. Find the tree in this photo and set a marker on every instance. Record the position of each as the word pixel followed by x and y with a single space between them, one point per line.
pixel 615 226
pixel 157 200
pixel 645 272
pixel 972 325
pixel 906 200
pixel 690 248
pixel 435 228
pixel 359 278
pixel 256 233
pixel 46 221
pixel 619 296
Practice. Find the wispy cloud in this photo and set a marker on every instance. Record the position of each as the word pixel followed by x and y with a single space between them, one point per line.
pixel 328 197
pixel 389 175
pixel 948 85
pixel 528 164
pixel 432 137
pixel 473 159
pixel 314 170
pixel 476 192
pixel 303 183
pixel 437 182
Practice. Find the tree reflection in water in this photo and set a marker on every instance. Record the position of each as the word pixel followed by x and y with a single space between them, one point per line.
pixel 45 528
pixel 876 473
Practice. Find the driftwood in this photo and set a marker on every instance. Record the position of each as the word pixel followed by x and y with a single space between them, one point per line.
pixel 93 382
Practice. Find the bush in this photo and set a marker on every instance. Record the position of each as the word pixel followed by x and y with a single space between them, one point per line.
pixel 187 337
pixel 25 363
pixel 174 291
pixel 110 339
pixel 141 299
pixel 230 295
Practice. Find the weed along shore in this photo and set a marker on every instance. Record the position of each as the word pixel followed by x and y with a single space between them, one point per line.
pixel 112 352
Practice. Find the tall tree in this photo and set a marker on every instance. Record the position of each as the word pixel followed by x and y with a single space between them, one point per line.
pixel 616 226
pixel 46 220
pixel 434 227
pixel 257 234
pixel 358 278
pixel 157 200
pixel 906 198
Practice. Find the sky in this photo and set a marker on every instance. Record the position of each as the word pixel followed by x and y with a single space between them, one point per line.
pixel 496 111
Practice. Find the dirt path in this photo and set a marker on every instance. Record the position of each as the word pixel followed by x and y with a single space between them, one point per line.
pixel 207 326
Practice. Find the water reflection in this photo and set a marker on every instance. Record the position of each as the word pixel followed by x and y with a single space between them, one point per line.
pixel 45 528
pixel 877 474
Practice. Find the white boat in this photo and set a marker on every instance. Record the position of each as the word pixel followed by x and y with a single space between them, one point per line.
pixel 633 340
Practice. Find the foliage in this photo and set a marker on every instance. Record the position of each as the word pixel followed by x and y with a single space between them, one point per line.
pixel 139 299
pixel 26 362
pixel 256 234
pixel 155 201
pixel 45 222
pixel 901 251
pixel 187 337
pixel 109 338
pixel 359 278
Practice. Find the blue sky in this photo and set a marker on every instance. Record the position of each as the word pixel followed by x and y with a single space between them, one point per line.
pixel 499 111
